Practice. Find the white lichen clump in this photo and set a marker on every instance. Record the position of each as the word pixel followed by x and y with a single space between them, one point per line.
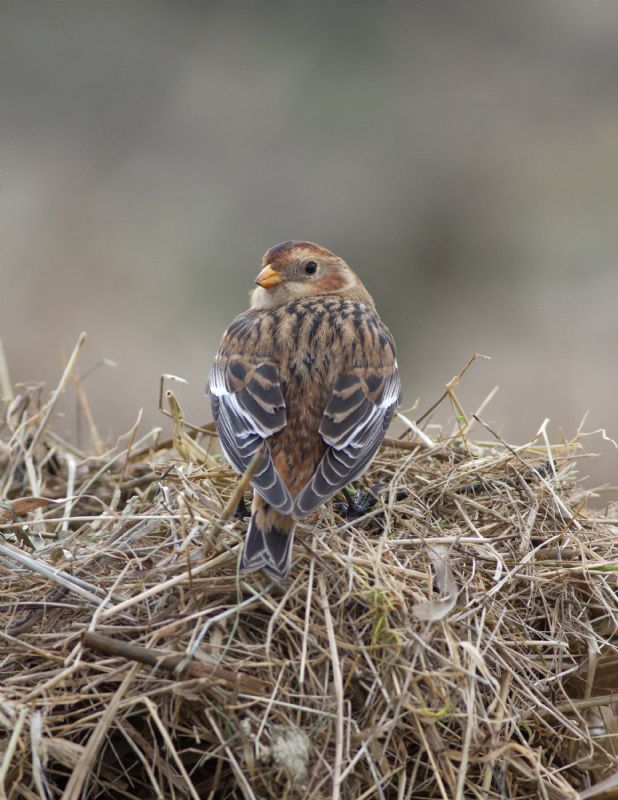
pixel 290 750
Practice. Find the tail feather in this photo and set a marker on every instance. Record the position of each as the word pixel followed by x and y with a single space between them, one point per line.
pixel 268 545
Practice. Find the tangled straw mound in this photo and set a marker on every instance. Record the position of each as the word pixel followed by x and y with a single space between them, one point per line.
pixel 450 634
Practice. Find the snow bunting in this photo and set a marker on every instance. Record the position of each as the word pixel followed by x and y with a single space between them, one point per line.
pixel 309 374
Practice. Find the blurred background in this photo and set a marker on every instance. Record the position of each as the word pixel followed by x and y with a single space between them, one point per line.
pixel 462 157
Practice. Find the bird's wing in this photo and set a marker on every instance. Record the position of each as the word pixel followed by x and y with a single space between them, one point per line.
pixel 248 407
pixel 354 423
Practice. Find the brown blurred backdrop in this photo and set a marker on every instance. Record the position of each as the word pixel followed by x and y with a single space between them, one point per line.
pixel 462 157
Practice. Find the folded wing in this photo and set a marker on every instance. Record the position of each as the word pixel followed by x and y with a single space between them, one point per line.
pixel 248 407
pixel 354 423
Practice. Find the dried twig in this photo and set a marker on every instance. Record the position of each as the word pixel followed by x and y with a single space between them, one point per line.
pixel 168 662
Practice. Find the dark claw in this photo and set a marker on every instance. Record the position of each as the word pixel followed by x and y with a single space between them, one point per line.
pixel 242 510
pixel 360 504
pixel 53 465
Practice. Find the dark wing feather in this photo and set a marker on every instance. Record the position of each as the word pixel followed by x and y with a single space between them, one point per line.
pixel 354 423
pixel 248 407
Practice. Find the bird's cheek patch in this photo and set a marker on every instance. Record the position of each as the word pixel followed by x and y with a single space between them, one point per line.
pixel 331 282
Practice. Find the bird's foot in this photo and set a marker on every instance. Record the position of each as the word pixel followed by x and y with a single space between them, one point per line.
pixel 359 504
pixel 242 510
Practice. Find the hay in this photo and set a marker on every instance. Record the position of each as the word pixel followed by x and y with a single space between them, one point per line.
pixel 455 639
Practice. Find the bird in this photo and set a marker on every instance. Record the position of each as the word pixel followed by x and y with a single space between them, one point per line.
pixel 308 377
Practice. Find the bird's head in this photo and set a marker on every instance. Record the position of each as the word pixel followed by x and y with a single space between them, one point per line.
pixel 303 269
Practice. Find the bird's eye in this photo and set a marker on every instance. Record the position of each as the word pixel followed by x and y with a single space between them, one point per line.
pixel 311 267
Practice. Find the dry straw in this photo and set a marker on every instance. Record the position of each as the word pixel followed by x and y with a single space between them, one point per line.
pixel 454 639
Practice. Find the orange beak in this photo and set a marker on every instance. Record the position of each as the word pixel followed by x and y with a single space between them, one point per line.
pixel 269 277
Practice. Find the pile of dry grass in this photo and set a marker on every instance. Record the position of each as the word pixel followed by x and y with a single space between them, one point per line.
pixel 456 639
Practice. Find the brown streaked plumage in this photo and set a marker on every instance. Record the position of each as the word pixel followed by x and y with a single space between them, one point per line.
pixel 310 369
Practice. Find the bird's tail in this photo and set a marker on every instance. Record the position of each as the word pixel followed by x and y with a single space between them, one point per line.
pixel 268 545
